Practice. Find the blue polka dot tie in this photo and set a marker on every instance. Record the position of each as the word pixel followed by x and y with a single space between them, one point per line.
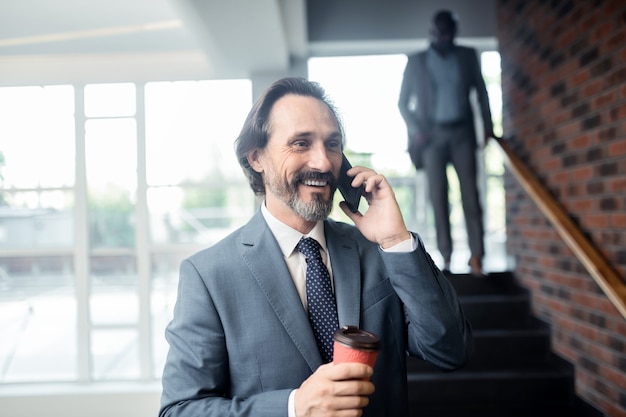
pixel 319 297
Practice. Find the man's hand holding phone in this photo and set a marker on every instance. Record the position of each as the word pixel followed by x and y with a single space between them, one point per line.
pixel 382 222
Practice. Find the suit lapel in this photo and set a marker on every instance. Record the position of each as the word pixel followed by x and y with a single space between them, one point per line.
pixel 344 257
pixel 262 255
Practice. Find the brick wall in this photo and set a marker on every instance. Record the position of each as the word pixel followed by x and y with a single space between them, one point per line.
pixel 564 92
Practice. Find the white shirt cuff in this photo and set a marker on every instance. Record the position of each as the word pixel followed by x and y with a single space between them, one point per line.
pixel 408 245
pixel 291 404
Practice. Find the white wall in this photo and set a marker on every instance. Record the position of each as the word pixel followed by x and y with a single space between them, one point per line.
pixel 80 401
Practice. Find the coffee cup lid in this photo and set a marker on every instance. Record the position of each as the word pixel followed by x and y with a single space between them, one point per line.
pixel 356 338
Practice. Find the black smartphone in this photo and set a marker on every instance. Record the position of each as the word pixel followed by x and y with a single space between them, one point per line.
pixel 351 195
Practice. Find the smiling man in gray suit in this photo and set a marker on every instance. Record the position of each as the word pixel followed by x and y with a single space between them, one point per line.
pixel 240 340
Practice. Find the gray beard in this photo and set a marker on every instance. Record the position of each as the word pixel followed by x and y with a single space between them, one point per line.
pixel 313 211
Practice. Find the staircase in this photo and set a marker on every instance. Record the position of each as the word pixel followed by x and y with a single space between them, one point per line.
pixel 512 371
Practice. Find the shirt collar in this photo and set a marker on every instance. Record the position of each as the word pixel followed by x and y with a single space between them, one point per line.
pixel 288 237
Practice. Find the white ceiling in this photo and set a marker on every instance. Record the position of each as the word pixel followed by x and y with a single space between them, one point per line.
pixel 148 38
pixel 80 41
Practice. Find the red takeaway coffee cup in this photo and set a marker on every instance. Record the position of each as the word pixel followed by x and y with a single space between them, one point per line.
pixel 352 344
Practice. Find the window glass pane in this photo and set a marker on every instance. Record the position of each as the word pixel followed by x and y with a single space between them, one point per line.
pixel 165 267
pixel 37 137
pixel 198 214
pixel 372 121
pixel 490 66
pixel 115 354
pixel 111 152
pixel 114 297
pixel 37 319
pixel 494 164
pixel 191 128
pixel 110 100
pixel 37 219
pixel 37 297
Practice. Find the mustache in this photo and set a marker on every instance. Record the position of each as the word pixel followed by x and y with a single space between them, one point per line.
pixel 315 175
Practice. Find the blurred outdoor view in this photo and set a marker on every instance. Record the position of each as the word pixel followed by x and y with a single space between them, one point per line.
pixel 105 188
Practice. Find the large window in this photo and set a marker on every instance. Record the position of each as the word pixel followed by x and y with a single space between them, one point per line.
pixel 104 189
pixel 38 308
pixel 196 193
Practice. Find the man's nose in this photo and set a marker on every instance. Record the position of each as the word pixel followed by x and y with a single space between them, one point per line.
pixel 319 158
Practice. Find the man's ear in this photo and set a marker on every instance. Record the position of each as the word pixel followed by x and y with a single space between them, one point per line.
pixel 253 160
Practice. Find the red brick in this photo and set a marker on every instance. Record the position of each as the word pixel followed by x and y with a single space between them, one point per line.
pixel 612 409
pixel 617 148
pixel 566 38
pixel 560 117
pixel 612 9
pixel 593 87
pixel 618 325
pixel 598 353
pixel 536 67
pixel 546 262
pixel 582 206
pixel 618 113
pixel 584 330
pixel 568 130
pixel 607 307
pixel 533 142
pixel 614 376
pixel 603 31
pixel 579 143
pixel 618 39
pixel 582 173
pixel 604 100
pixel 598 220
pixel 617 185
pixel 551 78
pixel 551 164
pixel 562 177
pixel 567 352
pixel 541 98
pixel 567 69
pixel 579 78
pixel 618 220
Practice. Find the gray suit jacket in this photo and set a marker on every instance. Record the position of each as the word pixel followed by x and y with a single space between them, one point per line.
pixel 417 97
pixel 240 339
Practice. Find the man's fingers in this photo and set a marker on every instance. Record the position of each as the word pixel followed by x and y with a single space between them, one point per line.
pixel 349 371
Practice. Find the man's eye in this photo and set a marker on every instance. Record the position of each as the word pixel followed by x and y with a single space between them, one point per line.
pixel 301 144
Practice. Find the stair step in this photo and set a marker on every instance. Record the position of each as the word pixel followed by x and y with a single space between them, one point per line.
pixel 502 349
pixel 493 283
pixel 496 311
pixel 509 348
pixel 507 387
pixel 511 372
pixel 573 409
